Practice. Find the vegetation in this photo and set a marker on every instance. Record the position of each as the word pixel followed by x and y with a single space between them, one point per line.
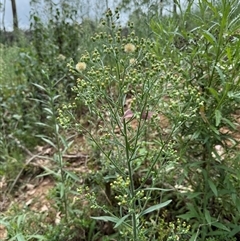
pixel 122 133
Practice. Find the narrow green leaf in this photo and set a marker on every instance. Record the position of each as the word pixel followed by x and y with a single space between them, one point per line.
pixel 218 117
pixel 214 129
pixel 213 187
pixel 155 207
pixel 221 226
pixel 20 237
pixel 209 37
pixel 49 172
pixel 48 111
pixel 72 175
pixel 230 123
pixel 213 8
pixel 157 189
pixel 56 97
pixel 17 117
pixel 4 223
pixel 192 213
pixel 62 190
pixel 218 232
pixel 38 237
pixel 233 95
pixel 194 237
pixel 39 87
pixel 49 142
pixel 193 195
pixel 220 73
pixel 107 218
pixel 234 231
pixel 207 216
pixel 229 53
pixel 121 220
pixel 196 134
pixel 57 129
pixel 214 93
pixel 42 124
pixel 188 215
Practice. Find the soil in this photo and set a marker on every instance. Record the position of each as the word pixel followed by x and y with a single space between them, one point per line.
pixel 31 188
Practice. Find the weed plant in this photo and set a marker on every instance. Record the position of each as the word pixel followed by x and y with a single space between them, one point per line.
pixel 196 91
pixel 14 114
pixel 130 96
pixel 207 47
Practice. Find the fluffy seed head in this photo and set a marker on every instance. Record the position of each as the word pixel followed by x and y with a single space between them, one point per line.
pixel 129 48
pixel 80 66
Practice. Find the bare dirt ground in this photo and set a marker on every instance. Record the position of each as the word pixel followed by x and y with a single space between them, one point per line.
pixel 30 188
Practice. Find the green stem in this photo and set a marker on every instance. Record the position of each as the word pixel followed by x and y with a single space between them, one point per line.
pixel 61 173
pixel 59 152
pixel 132 188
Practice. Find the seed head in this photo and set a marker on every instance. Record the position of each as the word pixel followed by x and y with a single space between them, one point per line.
pixel 80 66
pixel 129 48
pixel 132 61
pixel 61 57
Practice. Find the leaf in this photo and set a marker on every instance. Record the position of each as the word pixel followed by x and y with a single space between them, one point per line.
pixel 17 117
pixel 49 142
pixel 218 117
pixel 188 215
pixel 196 134
pixel 49 111
pixel 18 237
pixel 194 237
pixel 56 97
pixel 213 187
pixel 229 53
pixel 209 37
pixel 214 130
pixel 158 189
pixel 107 219
pixel 193 195
pixel 62 190
pixel 37 237
pixel 155 207
pixel 72 175
pixel 121 220
pixel 39 87
pixel 192 213
pixel 42 124
pixel 234 231
pixel 233 95
pixel 220 73
pixel 214 93
pixel 49 172
pixel 230 123
pixel 221 226
pixel 207 216
pixel 4 223
pixel 218 232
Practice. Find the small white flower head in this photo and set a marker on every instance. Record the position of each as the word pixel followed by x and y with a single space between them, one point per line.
pixel 129 48
pixel 132 61
pixel 80 66
pixel 61 57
